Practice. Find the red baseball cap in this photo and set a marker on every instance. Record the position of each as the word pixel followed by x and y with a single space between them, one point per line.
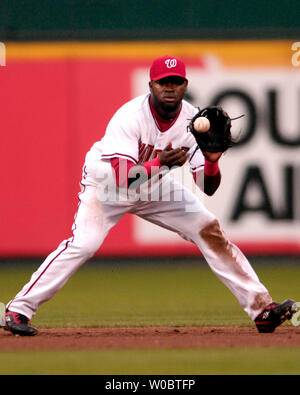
pixel 167 66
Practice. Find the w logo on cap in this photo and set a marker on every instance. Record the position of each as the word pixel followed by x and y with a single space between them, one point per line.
pixel 167 66
pixel 171 63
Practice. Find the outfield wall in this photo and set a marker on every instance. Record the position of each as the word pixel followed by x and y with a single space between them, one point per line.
pixel 56 99
pixel 50 20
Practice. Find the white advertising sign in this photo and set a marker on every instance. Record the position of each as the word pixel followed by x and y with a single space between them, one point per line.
pixel 259 197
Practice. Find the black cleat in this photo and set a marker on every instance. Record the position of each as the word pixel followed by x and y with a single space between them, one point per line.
pixel 274 315
pixel 18 324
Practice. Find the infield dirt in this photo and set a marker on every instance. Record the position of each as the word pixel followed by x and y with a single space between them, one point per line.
pixel 150 338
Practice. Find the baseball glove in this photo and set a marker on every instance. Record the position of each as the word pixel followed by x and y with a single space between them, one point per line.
pixel 218 138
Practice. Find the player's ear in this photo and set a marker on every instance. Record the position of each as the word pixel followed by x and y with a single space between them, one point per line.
pixel 150 85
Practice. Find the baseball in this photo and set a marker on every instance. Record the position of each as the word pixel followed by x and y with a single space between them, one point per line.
pixel 202 124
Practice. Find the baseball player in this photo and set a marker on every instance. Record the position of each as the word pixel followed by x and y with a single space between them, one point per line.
pixel 127 171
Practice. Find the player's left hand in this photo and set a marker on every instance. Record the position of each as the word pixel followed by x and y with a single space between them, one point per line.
pixel 218 137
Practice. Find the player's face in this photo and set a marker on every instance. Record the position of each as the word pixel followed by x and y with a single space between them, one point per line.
pixel 168 92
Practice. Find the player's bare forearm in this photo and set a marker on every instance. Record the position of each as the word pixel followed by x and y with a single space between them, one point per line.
pixel 212 175
pixel 211 183
pixel 209 180
pixel 207 184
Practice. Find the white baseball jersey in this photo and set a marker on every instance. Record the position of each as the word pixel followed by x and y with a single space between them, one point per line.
pixel 133 134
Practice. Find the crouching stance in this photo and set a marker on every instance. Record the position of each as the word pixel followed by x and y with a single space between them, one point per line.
pixel 144 140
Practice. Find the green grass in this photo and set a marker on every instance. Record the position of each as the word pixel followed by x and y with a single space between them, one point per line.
pixel 254 361
pixel 171 293
pixel 123 294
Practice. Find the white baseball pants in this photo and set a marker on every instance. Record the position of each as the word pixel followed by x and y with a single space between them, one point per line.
pixel 96 217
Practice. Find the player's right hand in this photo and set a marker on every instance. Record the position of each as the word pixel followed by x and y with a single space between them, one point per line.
pixel 172 157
